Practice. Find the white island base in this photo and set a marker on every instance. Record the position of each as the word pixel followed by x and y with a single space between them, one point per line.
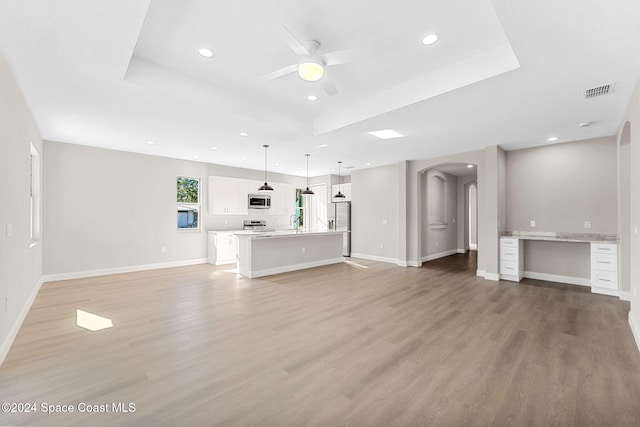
pixel 263 254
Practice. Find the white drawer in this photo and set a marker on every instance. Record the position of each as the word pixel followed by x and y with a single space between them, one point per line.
pixel 508 242
pixel 604 279
pixel 604 248
pixel 509 267
pixel 509 253
pixel 606 262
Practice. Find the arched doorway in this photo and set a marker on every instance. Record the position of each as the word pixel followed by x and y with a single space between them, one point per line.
pixel 447 217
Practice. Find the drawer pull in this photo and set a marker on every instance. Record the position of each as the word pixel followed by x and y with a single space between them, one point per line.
pixel 604 262
pixel 604 280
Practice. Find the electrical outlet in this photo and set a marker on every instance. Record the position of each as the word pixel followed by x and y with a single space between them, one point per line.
pixel 9 230
pixel 164 249
pixel 437 243
pixel 454 220
pixel 381 245
pixel 226 221
pixel 304 250
pixel 384 221
pixel 532 223
pixel 587 224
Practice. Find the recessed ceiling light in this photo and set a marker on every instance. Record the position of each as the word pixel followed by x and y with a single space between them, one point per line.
pixel 386 134
pixel 276 164
pixel 429 39
pixel 322 145
pixel 312 98
pixel 333 170
pixel 214 148
pixel 207 53
pixel 244 134
pixel 244 158
pixel 553 138
pixel 367 164
pixel 469 166
pixel 151 142
pixel 195 157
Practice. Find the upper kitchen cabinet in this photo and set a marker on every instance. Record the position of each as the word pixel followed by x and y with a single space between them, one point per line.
pixel 227 196
pixel 344 188
pixel 283 199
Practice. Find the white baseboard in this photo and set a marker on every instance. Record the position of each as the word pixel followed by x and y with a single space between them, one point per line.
pixel 488 276
pixel 118 270
pixel 8 341
pixel 439 255
pixel 473 246
pixel 605 291
pixel 414 263
pixel 634 331
pixel 625 296
pixel 375 258
pixel 557 278
pixel 294 267
pixel 403 263
pixel 462 251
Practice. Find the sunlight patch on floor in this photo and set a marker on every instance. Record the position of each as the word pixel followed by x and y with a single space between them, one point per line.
pixel 91 321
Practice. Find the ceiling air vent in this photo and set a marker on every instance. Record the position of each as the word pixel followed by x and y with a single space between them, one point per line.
pixel 599 91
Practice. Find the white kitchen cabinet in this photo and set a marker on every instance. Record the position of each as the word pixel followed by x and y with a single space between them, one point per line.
pixel 604 268
pixel 222 247
pixel 511 259
pixel 344 189
pixel 227 196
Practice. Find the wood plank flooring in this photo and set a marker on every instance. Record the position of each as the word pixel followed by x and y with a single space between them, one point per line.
pixel 364 344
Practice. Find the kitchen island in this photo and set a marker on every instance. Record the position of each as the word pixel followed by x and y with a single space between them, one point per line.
pixel 265 253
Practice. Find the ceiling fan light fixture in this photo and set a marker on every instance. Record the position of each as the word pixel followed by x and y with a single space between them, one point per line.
pixel 310 70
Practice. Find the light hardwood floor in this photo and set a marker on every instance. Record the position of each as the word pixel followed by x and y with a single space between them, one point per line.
pixel 335 345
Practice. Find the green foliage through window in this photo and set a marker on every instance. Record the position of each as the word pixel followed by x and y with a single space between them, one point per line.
pixel 188 190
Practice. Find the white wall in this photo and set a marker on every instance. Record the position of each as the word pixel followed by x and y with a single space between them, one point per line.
pixel 375 213
pixel 112 209
pixel 633 117
pixel 20 265
pixel 562 185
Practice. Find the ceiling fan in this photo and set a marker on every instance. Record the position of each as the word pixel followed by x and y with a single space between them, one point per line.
pixel 312 66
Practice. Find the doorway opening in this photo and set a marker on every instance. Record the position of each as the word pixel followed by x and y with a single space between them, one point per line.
pixel 449 216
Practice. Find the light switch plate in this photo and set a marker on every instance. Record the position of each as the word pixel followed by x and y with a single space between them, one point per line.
pixel 587 224
pixel 532 223
pixel 9 230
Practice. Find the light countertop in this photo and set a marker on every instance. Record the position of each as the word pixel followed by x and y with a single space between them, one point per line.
pixel 559 236
pixel 285 233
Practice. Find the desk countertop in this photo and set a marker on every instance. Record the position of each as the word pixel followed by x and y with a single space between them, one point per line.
pixel 555 236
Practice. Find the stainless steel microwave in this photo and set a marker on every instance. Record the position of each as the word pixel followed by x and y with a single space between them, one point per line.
pixel 259 201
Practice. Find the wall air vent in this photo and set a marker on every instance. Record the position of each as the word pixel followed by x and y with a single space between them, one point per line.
pixel 599 91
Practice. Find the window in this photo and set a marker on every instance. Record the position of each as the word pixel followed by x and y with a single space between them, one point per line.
pixel 34 197
pixel 188 198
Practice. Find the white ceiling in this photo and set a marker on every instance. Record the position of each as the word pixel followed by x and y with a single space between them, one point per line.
pixel 116 73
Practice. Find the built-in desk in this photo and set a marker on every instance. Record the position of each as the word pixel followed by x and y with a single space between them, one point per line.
pixel 604 256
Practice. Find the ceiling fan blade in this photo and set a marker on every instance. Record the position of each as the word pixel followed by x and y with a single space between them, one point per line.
pixel 281 72
pixel 296 45
pixel 347 55
pixel 327 85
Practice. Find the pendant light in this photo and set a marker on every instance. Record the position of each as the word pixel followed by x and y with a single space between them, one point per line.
pixel 339 195
pixel 266 187
pixel 307 191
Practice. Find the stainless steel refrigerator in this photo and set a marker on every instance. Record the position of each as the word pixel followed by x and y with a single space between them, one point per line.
pixel 343 223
